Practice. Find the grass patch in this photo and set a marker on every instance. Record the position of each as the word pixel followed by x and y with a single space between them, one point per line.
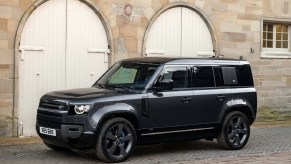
pixel 267 114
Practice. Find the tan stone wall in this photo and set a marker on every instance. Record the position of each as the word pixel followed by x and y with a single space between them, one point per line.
pixel 236 25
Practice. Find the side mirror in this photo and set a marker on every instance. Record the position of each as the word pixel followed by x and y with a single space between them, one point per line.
pixel 166 84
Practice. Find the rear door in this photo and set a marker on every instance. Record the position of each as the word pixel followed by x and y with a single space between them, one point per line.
pixel 210 94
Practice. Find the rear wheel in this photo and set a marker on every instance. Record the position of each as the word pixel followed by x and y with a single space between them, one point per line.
pixel 116 140
pixel 235 131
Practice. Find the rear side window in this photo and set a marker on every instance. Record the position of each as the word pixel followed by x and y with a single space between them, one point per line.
pixel 229 76
pixel 202 77
pixel 225 76
pixel 244 75
pixel 233 76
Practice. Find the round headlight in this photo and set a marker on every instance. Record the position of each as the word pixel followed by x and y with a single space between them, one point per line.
pixel 80 109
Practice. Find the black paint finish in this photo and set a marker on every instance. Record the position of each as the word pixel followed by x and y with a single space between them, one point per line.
pixel 157 115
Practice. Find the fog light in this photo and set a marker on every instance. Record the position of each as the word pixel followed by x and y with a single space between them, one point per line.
pixel 80 109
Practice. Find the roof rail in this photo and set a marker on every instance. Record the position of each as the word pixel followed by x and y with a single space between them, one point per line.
pixel 218 56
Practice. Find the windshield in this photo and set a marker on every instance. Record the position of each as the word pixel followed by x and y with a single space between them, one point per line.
pixel 127 76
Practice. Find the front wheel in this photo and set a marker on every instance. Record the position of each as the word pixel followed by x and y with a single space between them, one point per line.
pixel 235 131
pixel 116 140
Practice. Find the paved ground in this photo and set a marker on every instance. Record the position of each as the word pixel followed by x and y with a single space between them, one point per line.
pixel 266 145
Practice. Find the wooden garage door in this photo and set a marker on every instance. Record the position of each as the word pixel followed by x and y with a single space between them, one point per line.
pixel 179 32
pixel 63 45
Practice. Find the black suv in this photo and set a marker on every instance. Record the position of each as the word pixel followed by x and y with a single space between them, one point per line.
pixel 152 100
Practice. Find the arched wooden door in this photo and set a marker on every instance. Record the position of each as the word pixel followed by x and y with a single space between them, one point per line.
pixel 63 45
pixel 179 32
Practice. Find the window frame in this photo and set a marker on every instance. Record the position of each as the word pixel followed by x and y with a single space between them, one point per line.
pixel 275 52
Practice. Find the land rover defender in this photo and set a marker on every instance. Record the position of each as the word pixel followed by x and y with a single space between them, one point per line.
pixel 151 100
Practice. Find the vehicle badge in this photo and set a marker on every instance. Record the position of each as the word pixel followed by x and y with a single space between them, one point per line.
pixel 61 107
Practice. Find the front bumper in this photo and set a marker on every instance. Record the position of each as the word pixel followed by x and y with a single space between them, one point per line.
pixel 73 131
pixel 70 136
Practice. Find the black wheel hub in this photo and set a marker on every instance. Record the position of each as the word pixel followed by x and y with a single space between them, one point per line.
pixel 118 140
pixel 237 131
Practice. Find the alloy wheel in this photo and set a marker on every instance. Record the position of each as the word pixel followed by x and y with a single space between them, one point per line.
pixel 237 131
pixel 118 140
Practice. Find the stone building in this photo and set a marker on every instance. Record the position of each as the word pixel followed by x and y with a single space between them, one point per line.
pixel 56 44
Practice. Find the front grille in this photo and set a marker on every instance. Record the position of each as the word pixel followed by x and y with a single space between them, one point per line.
pixel 53 103
pixel 51 112
pixel 53 106
pixel 49 118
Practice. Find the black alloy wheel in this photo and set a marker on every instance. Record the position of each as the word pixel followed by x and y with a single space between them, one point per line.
pixel 116 140
pixel 235 131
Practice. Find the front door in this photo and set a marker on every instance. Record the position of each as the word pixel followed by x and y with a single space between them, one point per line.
pixel 172 108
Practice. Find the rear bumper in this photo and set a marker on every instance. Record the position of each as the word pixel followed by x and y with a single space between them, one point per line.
pixel 70 136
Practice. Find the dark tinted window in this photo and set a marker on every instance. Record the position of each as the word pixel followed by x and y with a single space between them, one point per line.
pixel 202 77
pixel 229 76
pixel 218 77
pixel 179 75
pixel 244 75
pixel 241 75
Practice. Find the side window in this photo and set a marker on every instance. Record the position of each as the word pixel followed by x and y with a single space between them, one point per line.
pixel 202 77
pixel 218 77
pixel 145 74
pixel 229 75
pixel 244 75
pixel 178 74
pixel 225 76
pixel 236 75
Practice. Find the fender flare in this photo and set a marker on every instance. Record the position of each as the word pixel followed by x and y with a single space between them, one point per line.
pixel 237 104
pixel 118 108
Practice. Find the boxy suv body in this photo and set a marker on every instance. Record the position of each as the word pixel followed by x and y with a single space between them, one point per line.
pixel 148 100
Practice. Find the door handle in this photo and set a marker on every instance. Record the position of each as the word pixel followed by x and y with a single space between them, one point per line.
pixel 186 99
pixel 220 97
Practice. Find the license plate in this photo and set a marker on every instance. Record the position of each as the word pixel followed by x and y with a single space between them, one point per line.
pixel 47 131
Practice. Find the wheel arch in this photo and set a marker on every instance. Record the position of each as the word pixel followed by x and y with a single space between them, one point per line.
pixel 241 108
pixel 105 113
pixel 126 115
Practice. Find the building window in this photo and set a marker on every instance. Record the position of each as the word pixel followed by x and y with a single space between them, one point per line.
pixel 276 40
pixel 275 36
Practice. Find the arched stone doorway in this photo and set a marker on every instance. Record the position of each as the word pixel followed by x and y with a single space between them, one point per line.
pixel 179 30
pixel 64 44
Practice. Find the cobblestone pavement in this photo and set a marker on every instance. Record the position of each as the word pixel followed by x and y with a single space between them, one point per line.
pixel 266 145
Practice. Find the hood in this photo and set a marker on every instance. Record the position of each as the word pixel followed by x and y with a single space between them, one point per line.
pixel 85 93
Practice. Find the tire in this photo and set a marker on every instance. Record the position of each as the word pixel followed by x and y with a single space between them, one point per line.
pixel 56 148
pixel 235 131
pixel 116 140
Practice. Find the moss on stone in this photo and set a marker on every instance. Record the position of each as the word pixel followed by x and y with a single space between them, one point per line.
pixel 272 114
